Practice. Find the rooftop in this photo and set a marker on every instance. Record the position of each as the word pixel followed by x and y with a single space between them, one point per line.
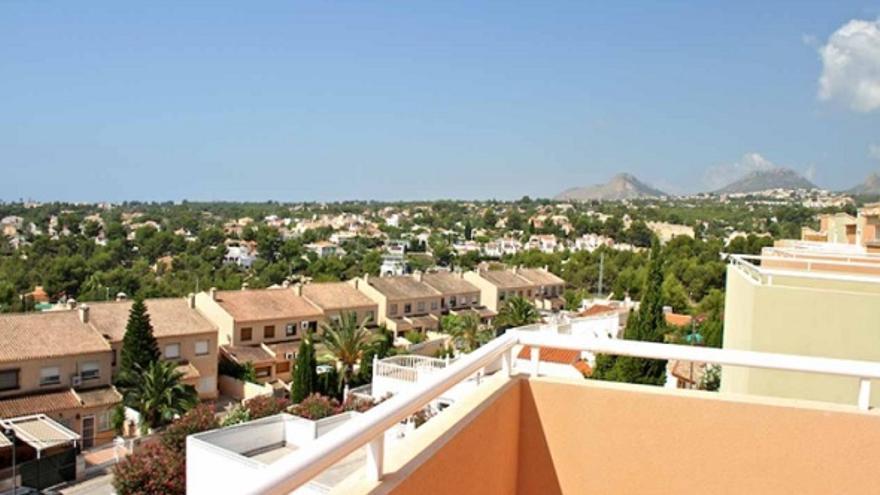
pixel 247 354
pixel 335 296
pixel 505 279
pixel 539 276
pixel 266 304
pixel 47 335
pixel 169 317
pixel 402 287
pixel 517 432
pixel 449 284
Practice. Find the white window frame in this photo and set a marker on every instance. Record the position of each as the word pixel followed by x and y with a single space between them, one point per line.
pixel 167 355
pixel 44 376
pixel 86 369
pixel 290 329
pixel 102 421
pixel 304 325
pixel 199 343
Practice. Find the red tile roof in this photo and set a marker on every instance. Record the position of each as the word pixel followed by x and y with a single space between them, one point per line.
pixel 678 320
pixel 552 355
pixel 597 309
pixel 39 403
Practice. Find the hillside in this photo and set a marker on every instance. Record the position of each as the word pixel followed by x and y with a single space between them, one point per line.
pixel 621 186
pixel 871 185
pixel 762 180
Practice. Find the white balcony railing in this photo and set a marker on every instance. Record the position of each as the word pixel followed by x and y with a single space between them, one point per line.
pixel 368 430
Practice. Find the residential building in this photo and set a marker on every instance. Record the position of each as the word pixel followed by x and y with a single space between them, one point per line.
pixel 833 227
pixel 801 300
pixel 667 231
pixel 868 230
pixel 533 284
pixel 260 326
pixel 405 302
pixel 323 248
pixel 545 243
pixel 337 298
pixel 56 364
pixel 241 255
pixel 184 337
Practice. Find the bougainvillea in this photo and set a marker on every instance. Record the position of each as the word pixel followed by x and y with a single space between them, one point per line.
pixel 154 470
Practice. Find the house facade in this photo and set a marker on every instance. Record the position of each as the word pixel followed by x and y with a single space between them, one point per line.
pixel 404 302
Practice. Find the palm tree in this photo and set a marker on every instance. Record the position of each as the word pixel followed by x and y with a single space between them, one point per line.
pixel 465 330
pixel 516 312
pixel 348 340
pixel 159 395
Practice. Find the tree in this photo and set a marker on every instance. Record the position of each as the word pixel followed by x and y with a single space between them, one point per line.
pixel 516 312
pixel 305 375
pixel 347 339
pixel 465 330
pixel 139 346
pixel 648 325
pixel 159 395
pixel 674 294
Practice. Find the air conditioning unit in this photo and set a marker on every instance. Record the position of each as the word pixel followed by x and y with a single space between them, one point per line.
pixel 75 380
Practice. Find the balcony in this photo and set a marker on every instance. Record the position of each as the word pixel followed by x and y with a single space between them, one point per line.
pixel 519 432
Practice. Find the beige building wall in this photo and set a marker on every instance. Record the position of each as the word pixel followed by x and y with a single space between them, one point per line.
pixel 379 298
pixel 29 372
pixel 488 290
pixel 213 312
pixel 813 317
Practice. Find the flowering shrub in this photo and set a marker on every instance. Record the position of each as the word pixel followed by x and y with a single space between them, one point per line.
pixel 265 405
pixel 154 470
pixel 200 418
pixel 238 414
pixel 316 406
pixel 357 404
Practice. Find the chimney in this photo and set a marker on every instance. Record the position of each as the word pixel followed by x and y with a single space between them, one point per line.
pixel 71 303
pixel 213 292
pixel 84 313
pixel 516 269
pixel 121 296
pixel 244 286
pixel 191 300
pixel 298 289
pixel 546 268
pixel 367 278
pixel 667 310
pixel 285 284
pixel 419 277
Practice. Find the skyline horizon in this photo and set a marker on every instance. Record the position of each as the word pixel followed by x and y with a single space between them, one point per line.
pixel 432 101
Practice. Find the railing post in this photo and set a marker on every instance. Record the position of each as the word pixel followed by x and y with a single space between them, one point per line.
pixel 375 458
pixel 506 364
pixel 864 394
pixel 536 357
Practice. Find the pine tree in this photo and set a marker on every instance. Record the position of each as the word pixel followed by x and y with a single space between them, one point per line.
pixel 139 347
pixel 305 375
pixel 646 325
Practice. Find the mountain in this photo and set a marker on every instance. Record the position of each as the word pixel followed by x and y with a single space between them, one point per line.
pixel 621 186
pixel 871 185
pixel 762 180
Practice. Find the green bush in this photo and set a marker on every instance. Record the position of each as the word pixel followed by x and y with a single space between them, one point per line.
pixel 415 337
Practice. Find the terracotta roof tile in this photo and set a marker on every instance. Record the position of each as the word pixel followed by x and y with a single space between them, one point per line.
pixel 247 354
pixel 103 396
pixel 266 304
pixel 449 284
pixel 540 277
pixel 597 309
pixel 678 320
pixel 169 317
pixel 335 296
pixel 552 355
pixel 505 279
pixel 47 335
pixel 402 287
pixel 39 403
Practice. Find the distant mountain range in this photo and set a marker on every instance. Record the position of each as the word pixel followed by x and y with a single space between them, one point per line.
pixel 621 186
pixel 762 180
pixel 871 185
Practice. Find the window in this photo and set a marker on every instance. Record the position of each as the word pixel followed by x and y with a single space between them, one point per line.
pixel 269 332
pixel 247 333
pixel 452 302
pixel 370 316
pixel 89 371
pixel 263 372
pixel 112 357
pixel 304 325
pixel 172 351
pixel 407 308
pixel 392 309
pixel 501 295
pixel 433 305
pixel 421 306
pixel 104 421
pixel 50 375
pixel 283 367
pixel 201 348
pixel 475 299
pixel 8 379
pixel 290 329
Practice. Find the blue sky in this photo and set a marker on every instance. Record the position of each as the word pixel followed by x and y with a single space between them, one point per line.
pixel 420 100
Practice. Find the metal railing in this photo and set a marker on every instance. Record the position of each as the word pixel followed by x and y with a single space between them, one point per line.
pixel 368 430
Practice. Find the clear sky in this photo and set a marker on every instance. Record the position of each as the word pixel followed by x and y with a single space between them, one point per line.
pixel 421 100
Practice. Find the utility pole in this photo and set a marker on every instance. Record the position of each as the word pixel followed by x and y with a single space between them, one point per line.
pixel 601 272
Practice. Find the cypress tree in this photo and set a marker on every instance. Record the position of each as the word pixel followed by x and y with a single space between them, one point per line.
pixel 648 324
pixel 305 375
pixel 139 347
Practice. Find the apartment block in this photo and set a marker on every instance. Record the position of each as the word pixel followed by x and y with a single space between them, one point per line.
pixel 458 296
pixel 862 230
pixel 260 326
pixel 405 302
pixel 183 334
pixel 56 364
pixel 337 298
pixel 805 301
pixel 538 285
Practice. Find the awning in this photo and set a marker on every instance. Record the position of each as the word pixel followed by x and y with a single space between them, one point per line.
pixel 40 432
pixel 248 354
